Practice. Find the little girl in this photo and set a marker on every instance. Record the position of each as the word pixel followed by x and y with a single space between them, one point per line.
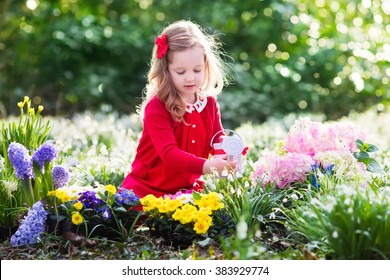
pixel 180 113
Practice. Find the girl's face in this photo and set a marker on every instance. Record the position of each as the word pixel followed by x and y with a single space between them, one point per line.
pixel 187 70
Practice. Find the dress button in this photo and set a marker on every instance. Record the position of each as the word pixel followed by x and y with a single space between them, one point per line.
pixel 194 125
pixel 193 141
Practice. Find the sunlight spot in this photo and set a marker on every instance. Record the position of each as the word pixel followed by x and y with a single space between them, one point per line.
pixel 337 81
pixel 380 107
pixel 32 4
pixel 386 6
pixel 108 31
pixel 292 38
pixel 101 88
pixel 342 28
pixel 357 21
pixel 285 55
pixel 272 47
pixel 268 12
pixel 144 4
pixel 335 6
pixel 320 3
pixel 302 104
pixel 89 34
pixel 285 72
pixel 246 66
pixel 357 80
pixel 160 16
pixel 294 19
pixel 296 77
pixel 366 3
pixel 378 19
pixel 243 56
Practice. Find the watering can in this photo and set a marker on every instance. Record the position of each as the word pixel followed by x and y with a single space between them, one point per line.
pixel 232 146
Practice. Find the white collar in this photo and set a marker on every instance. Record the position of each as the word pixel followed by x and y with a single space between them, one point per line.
pixel 199 104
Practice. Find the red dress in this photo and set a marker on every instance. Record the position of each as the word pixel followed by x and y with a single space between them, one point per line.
pixel 170 154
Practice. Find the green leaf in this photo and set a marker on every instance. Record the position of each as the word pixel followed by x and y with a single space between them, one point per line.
pixel 372 148
pixel 362 156
pixel 359 144
pixel 120 209
pixel 196 195
pixel 373 166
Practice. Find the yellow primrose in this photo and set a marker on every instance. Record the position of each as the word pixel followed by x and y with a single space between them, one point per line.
pixel 111 189
pixel 77 218
pixel 206 210
pixel 172 205
pixel 201 216
pixel 145 201
pixel 78 206
pixel 62 195
pixel 201 227
pixel 162 208
pixel 178 215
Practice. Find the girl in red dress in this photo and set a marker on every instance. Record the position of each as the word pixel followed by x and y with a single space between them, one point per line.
pixel 180 113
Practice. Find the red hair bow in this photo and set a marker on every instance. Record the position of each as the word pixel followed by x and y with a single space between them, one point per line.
pixel 162 46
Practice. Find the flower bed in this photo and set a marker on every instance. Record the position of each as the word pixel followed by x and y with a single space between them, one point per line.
pixel 303 194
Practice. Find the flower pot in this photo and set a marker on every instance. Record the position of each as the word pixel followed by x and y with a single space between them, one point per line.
pixel 6 232
pixel 53 225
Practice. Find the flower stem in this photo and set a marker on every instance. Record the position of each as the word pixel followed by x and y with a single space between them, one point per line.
pixel 28 193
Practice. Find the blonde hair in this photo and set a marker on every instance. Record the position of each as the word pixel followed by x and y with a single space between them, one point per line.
pixel 182 35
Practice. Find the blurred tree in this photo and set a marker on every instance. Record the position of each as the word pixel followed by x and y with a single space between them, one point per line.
pixel 321 56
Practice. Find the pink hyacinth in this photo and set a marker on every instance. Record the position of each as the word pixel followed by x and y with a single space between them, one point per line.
pixel 309 137
pixel 283 170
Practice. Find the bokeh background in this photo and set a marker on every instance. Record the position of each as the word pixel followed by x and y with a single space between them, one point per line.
pixel 327 57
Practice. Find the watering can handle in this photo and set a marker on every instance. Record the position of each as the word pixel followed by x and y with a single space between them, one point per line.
pixel 222 130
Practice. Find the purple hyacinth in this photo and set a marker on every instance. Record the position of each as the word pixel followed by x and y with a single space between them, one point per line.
pixel 31 227
pixel 60 176
pixel 21 161
pixel 125 196
pixel 45 153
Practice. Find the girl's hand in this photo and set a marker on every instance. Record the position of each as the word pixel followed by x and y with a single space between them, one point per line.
pixel 218 164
